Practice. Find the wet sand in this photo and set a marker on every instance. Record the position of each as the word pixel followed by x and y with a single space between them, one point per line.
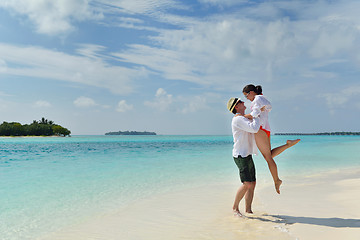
pixel 323 206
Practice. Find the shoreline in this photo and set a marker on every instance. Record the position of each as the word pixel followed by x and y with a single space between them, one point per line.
pixel 55 136
pixel 321 206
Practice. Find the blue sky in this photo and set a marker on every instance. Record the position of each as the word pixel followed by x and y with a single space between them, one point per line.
pixel 170 66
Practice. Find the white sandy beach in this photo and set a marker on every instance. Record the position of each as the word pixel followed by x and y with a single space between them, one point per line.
pixel 323 206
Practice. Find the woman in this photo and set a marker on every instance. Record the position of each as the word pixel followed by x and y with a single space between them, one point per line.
pixel 260 107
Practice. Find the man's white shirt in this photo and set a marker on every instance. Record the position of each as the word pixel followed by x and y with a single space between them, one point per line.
pixel 243 131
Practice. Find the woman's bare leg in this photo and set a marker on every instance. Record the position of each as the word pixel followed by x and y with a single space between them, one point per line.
pixel 263 143
pixel 280 149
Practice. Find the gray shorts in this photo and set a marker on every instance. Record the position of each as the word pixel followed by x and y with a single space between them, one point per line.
pixel 246 168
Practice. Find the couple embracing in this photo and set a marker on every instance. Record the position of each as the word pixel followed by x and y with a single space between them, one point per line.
pixel 252 131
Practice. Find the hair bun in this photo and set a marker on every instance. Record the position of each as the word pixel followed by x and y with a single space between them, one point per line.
pixel 258 89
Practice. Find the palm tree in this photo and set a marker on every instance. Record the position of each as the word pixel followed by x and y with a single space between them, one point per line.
pixel 43 121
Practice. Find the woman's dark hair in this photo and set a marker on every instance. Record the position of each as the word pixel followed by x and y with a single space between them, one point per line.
pixel 250 87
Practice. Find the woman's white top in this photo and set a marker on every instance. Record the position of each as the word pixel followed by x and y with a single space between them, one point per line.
pixel 256 106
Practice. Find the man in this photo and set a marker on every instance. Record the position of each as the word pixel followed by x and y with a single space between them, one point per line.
pixel 243 131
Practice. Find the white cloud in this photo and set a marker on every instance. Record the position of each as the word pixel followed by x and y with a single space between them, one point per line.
pixel 141 6
pixel 348 96
pixel 180 104
pixel 162 100
pixel 209 51
pixel 231 48
pixel 3 94
pixel 91 69
pixel 195 104
pixel 84 102
pixel 124 107
pixel 223 2
pixel 161 92
pixel 52 16
pixel 4 105
pixel 3 66
pixel 222 51
pixel 298 48
pixel 91 51
pixel 42 104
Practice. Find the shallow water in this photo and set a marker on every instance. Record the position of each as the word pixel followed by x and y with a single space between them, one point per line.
pixel 50 183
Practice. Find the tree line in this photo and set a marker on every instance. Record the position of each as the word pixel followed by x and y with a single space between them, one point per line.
pixel 43 127
pixel 130 133
pixel 324 133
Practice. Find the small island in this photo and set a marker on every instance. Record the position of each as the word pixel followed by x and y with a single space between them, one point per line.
pixel 130 133
pixel 324 133
pixel 43 127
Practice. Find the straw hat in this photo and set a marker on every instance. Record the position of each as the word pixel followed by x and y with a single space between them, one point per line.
pixel 232 103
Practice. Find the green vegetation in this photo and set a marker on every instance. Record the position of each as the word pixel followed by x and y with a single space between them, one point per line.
pixel 130 133
pixel 43 127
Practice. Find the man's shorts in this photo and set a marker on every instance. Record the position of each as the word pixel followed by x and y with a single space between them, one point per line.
pixel 246 168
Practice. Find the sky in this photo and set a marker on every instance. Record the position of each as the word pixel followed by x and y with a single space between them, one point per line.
pixel 170 66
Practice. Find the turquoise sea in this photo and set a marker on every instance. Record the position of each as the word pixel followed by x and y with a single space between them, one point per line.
pixel 50 183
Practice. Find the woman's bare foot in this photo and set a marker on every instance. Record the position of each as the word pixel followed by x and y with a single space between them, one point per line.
pixel 249 211
pixel 277 185
pixel 291 143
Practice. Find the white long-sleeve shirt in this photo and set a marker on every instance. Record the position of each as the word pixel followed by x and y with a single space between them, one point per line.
pixel 256 106
pixel 243 131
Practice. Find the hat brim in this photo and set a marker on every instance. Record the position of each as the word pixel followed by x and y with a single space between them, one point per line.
pixel 235 103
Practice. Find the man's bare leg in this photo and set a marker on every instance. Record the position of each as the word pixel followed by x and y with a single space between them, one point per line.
pixel 239 195
pixel 249 198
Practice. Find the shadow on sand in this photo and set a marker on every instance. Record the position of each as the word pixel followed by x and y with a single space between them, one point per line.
pixel 329 222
